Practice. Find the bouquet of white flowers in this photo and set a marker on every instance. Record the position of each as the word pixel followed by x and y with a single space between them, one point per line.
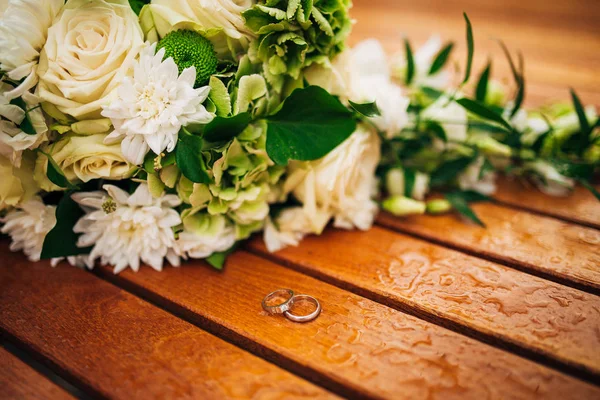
pixel 138 131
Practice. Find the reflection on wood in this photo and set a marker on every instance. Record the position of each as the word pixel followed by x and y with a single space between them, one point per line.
pixel 356 343
pixel 118 346
pixel 554 320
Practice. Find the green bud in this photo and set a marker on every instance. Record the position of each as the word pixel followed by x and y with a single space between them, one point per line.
pixel 496 93
pixel 438 206
pixel 490 146
pixel 402 206
pixel 394 181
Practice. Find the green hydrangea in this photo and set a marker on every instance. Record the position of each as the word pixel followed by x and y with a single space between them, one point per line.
pixel 243 178
pixel 191 49
pixel 292 34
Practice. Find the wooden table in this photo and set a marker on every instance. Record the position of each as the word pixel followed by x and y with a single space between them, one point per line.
pixel 419 308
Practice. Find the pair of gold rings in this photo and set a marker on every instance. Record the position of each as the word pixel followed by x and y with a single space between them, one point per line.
pixel 281 301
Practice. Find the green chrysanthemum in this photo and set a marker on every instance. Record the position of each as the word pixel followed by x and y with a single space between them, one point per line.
pixel 189 48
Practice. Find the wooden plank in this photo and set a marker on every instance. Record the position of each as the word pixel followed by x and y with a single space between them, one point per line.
pixel 555 40
pixel 19 381
pixel 118 346
pixel 543 317
pixel 580 207
pixel 372 349
pixel 553 249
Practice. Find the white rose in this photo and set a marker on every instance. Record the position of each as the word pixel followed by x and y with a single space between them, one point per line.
pixel 291 225
pixel 363 75
pixel 220 20
pixel 91 47
pixel 17 184
pixel 451 116
pixel 83 158
pixel 23 28
pixel 339 185
pixel 549 180
pixel 473 179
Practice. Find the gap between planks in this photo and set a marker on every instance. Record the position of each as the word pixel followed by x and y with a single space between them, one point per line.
pixel 437 318
pixel 473 240
pixel 159 355
pixel 191 297
pixel 234 338
pixel 20 380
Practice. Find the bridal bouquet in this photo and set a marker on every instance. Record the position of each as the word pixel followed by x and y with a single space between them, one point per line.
pixel 138 131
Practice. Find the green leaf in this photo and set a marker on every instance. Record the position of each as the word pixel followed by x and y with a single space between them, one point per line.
pixel 460 203
pixel 591 188
pixel 137 5
pixel 580 110
pixel 310 124
pixel 61 241
pixel 189 158
pixel 217 260
pixel 471 49
pixel 223 129
pixel 482 84
pixel 518 77
pixel 432 93
pixel 26 125
pixel 449 170
pixel 55 174
pixel 483 111
pixel 369 110
pixel 520 87
pixel 573 169
pixel 437 130
pixel 440 59
pixel 471 196
pixel 409 181
pixel 410 63
pixel 513 68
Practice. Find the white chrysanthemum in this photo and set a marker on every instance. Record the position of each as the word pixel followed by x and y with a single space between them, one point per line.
pixel 124 229
pixel 205 234
pixel 13 141
pixel 23 31
pixel 154 104
pixel 28 226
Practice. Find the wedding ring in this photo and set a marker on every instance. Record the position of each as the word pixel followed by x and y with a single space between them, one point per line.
pixel 304 318
pixel 288 298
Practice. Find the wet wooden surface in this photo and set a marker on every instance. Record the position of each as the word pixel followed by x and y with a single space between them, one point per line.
pixel 20 381
pixel 419 308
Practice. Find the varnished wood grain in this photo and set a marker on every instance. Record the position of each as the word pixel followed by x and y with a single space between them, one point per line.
pixel 360 344
pixel 547 318
pixel 580 206
pixel 546 246
pixel 556 39
pixel 18 381
pixel 118 346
